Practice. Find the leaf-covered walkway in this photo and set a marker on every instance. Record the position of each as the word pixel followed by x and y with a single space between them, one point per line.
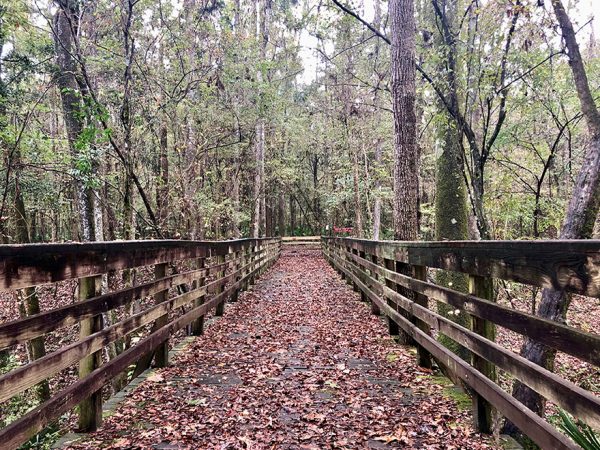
pixel 297 363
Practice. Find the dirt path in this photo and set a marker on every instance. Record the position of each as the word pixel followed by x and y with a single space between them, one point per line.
pixel 298 363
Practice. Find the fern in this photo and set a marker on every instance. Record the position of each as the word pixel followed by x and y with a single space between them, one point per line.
pixel 581 433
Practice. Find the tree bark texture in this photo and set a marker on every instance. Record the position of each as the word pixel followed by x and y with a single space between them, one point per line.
pixel 66 21
pixel 406 179
pixel 406 164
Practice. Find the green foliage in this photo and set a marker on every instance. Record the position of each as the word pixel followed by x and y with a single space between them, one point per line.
pixel 582 434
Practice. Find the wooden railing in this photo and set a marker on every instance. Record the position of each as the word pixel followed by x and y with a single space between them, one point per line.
pixel 393 276
pixel 190 278
pixel 301 240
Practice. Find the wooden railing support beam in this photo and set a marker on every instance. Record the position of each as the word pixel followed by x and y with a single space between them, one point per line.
pixel 393 328
pixel 220 309
pixel 482 410
pixel 198 324
pixel 423 356
pixel 161 354
pixel 90 409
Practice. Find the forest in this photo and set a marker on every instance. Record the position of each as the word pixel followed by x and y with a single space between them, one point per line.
pixel 200 120
pixel 408 120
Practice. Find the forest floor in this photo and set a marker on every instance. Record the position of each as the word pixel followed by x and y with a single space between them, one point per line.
pixel 297 363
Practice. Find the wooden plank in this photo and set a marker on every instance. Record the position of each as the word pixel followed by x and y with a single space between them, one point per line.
pixel 35 264
pixel 423 356
pixel 570 265
pixel 90 408
pixel 161 353
pixel 585 346
pixel 482 410
pixel 198 324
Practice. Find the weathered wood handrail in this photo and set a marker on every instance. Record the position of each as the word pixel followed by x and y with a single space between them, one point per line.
pixel 572 266
pixel 219 270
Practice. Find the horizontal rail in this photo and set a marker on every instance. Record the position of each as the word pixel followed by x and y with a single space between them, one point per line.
pixel 570 265
pixel 362 262
pixel 36 264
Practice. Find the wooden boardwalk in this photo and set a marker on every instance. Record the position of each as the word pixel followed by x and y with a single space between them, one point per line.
pixel 303 361
pixel 299 362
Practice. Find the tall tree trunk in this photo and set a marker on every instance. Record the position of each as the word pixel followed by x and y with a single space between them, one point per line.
pixel 281 212
pixel 579 219
pixel 451 209
pixel 259 144
pixel 235 197
pixel 292 216
pixel 262 35
pixel 162 191
pixel 358 225
pixel 378 140
pixel 66 23
pixel 406 164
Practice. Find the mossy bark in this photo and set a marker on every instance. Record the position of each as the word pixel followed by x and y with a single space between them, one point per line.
pixel 451 221
pixel 451 212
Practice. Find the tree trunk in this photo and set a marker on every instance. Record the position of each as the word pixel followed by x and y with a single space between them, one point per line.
pixel 579 219
pixel 358 225
pixel 451 209
pixel 406 165
pixel 162 191
pixel 258 181
pixel 281 212
pixel 262 35
pixel 378 141
pixel 292 216
pixel 66 23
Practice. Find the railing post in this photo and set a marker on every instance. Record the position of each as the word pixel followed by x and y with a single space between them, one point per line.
pixel 235 267
pixel 342 260
pixel 161 354
pixel 245 262
pixel 363 296
pixel 220 309
pixel 374 307
pixel 347 265
pixel 198 324
pixel 393 328
pixel 482 287
pixel 423 356
pixel 253 248
pixel 403 269
pixel 90 409
pixel 262 258
pixel 339 253
pixel 351 262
